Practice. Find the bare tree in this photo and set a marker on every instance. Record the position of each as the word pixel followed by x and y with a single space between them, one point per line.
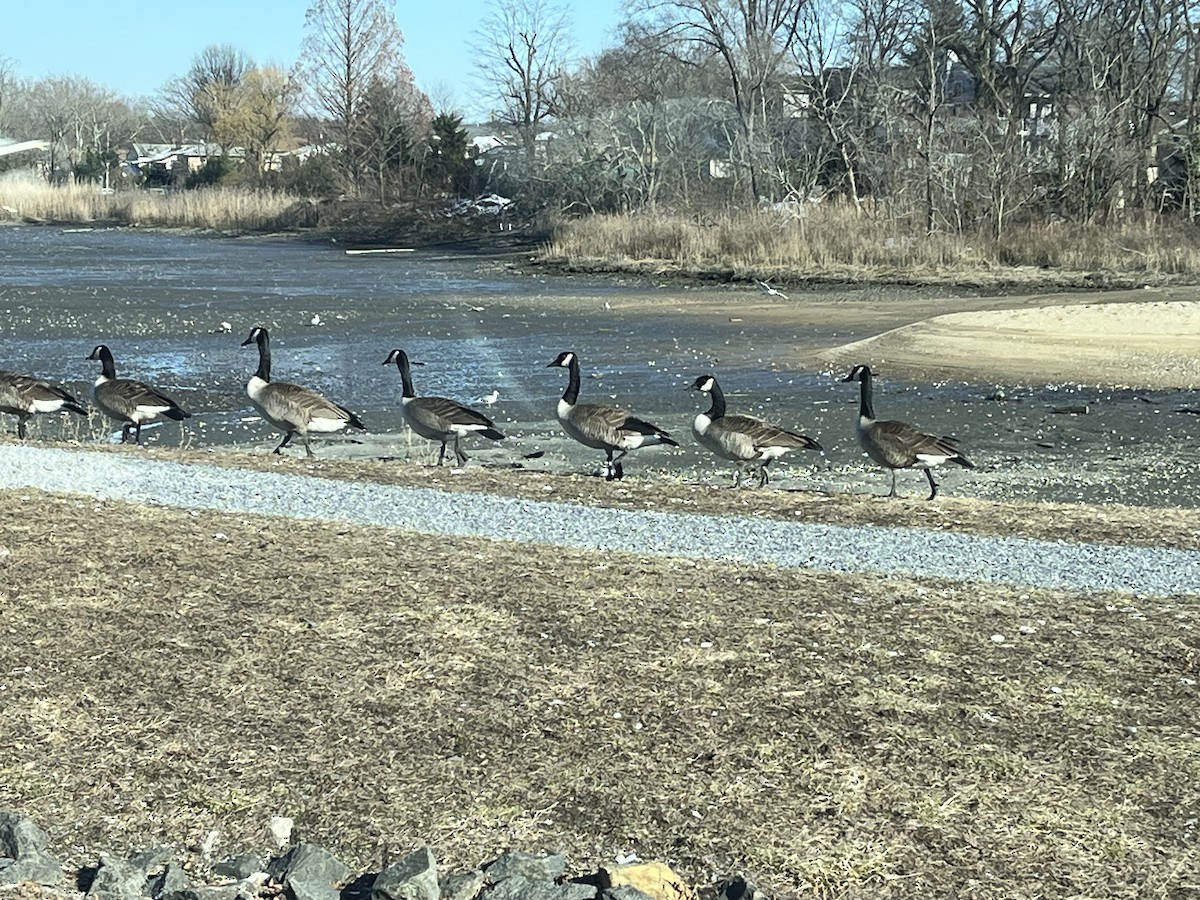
pixel 521 54
pixel 208 93
pixel 8 84
pixel 754 41
pixel 349 46
pixel 260 115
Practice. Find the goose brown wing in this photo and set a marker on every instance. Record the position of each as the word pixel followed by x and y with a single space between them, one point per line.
pixel 33 389
pixel 641 426
pixel 903 443
pixel 300 405
pixel 449 412
pixel 138 393
pixel 762 433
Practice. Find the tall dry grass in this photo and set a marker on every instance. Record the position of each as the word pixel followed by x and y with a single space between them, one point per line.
pixel 217 208
pixel 839 241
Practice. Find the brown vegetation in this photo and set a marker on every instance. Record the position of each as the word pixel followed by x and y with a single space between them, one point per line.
pixel 833 734
pixel 219 209
pixel 836 242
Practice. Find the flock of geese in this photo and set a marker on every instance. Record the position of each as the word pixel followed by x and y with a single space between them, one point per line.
pixel 751 443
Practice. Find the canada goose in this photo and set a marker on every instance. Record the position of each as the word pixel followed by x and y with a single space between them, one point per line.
pixel 604 428
pixel 130 402
pixel 436 418
pixel 898 445
pixel 743 439
pixel 24 397
pixel 292 409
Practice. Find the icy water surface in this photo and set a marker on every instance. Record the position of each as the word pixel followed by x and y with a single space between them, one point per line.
pixel 175 308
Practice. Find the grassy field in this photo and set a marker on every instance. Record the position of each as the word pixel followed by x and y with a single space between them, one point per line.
pixel 836 242
pixel 167 673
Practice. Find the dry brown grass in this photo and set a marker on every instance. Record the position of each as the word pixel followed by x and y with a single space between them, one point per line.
pixel 166 673
pixel 834 241
pixel 221 209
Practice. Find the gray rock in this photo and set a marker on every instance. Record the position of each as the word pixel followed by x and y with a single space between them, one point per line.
pixel 154 860
pixel 517 887
pixel 20 835
pixel 299 889
pixel 412 878
pixel 241 866
pixel 624 892
pixel 170 881
pixel 36 866
pixel 117 879
pixel 526 865
pixel 462 885
pixel 207 892
pixel 309 872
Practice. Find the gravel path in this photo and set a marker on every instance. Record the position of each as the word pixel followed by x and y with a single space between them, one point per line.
pixel 900 551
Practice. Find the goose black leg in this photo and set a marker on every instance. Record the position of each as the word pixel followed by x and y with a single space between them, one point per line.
pixel 933 487
pixel 308 446
pixel 618 469
pixel 125 432
pixel 459 453
pixel 287 437
pixel 442 454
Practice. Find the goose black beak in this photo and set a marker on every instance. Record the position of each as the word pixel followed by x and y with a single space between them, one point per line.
pixel 247 342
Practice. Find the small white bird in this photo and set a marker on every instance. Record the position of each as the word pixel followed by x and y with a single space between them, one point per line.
pixel 490 399
pixel 224 328
pixel 315 320
pixel 770 291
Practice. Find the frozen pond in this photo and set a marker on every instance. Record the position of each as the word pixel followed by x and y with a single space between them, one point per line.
pixel 161 301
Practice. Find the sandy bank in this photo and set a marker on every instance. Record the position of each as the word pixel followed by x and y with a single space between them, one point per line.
pixel 1151 344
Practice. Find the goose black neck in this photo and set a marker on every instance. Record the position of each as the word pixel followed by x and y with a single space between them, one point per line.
pixel 717 410
pixel 405 376
pixel 264 358
pixel 108 368
pixel 866 408
pixel 571 394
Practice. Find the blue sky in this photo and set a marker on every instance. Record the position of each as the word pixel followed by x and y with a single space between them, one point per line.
pixel 135 50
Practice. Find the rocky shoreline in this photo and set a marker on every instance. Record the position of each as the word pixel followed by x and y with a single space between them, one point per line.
pixel 303 871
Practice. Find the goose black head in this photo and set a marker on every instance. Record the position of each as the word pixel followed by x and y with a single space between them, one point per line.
pixel 859 373
pixel 258 335
pixel 562 361
pixel 400 358
pixel 100 352
pixel 704 383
